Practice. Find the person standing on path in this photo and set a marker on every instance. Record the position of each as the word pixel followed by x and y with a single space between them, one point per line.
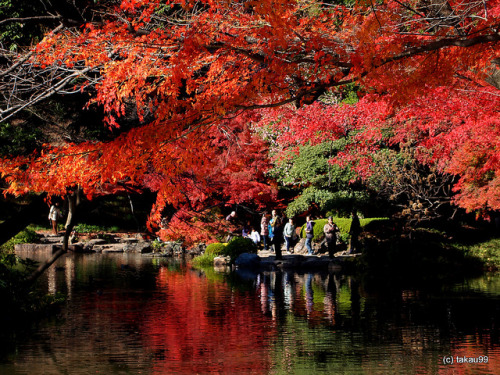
pixel 330 230
pixel 277 226
pixel 264 230
pixel 354 232
pixel 288 233
pixel 54 216
pixel 309 234
pixel 255 236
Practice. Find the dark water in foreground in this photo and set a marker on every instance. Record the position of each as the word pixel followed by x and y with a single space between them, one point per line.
pixel 127 314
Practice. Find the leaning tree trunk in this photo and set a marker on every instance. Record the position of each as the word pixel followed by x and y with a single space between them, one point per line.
pixel 73 200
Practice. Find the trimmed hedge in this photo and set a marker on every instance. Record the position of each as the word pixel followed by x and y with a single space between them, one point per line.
pixel 239 245
pixel 344 225
pixel 215 249
pixel 235 247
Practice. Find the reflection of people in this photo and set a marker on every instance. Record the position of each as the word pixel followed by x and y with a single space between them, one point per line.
pixel 309 294
pixel 354 232
pixel 309 234
pixel 330 299
pixel 330 230
pixel 54 215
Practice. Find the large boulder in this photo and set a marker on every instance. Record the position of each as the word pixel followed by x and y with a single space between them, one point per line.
pixel 197 249
pixel 139 247
pixel 222 261
pixel 247 260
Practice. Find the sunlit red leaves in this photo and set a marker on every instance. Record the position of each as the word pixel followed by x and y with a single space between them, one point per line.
pixel 456 129
pixel 222 165
pixel 232 54
pixel 187 69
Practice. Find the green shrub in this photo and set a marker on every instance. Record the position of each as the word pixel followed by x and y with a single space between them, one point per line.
pixel 215 249
pixel 344 225
pixel 212 251
pixel 27 235
pixel 86 228
pixel 157 246
pixel 239 245
pixel 486 251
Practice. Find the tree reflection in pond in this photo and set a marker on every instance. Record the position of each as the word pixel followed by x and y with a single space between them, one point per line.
pixel 131 315
pixel 196 325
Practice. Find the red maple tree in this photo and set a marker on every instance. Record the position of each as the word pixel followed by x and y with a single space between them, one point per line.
pixel 192 67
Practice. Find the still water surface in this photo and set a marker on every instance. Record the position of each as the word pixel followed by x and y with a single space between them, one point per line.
pixel 127 314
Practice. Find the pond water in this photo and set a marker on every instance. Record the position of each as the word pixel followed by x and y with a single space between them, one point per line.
pixel 127 314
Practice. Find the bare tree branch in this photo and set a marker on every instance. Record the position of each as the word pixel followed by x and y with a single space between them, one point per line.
pixel 29 19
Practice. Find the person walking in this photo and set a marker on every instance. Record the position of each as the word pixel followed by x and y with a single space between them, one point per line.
pixel 330 229
pixel 309 234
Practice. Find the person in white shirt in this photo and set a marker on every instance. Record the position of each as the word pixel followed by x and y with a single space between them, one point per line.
pixel 54 215
pixel 255 236
pixel 289 233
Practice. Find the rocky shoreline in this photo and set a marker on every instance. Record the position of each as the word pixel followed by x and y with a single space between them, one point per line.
pixel 126 243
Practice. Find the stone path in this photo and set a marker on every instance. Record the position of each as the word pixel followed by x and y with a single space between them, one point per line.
pixel 113 244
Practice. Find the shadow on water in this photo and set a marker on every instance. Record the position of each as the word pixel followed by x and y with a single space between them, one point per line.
pixel 127 314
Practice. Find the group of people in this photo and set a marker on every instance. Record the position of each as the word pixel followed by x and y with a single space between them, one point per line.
pixel 330 230
pixel 274 231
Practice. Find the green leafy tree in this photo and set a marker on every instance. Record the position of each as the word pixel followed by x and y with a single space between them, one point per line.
pixel 17 140
pixel 315 182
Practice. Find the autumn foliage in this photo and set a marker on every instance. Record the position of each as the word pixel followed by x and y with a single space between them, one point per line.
pixel 202 75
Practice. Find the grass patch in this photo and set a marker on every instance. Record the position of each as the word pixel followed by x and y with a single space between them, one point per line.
pixel 488 252
pixel 204 260
pixel 89 228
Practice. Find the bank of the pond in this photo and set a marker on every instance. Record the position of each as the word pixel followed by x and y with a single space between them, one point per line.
pixel 426 252
pixel 488 252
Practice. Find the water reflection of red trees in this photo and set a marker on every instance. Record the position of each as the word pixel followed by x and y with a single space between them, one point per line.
pixel 474 354
pixel 195 325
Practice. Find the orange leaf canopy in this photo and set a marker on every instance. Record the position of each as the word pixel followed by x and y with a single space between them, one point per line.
pixel 192 69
